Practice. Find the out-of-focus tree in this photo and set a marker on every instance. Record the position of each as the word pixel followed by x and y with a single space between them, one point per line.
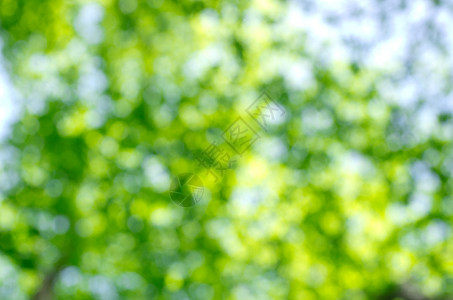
pixel 349 197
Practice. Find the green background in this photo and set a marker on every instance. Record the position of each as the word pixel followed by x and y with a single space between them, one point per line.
pixel 348 197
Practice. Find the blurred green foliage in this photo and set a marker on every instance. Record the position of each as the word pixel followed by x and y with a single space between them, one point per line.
pixel 342 200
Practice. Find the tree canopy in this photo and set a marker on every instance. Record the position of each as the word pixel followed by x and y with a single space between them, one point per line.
pixel 348 195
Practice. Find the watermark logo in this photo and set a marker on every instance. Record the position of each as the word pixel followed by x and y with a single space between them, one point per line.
pixel 240 136
pixel 215 159
pixel 186 190
pixel 265 111
pixel 224 147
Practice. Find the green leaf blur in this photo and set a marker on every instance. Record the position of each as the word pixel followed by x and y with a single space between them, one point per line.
pixel 349 197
